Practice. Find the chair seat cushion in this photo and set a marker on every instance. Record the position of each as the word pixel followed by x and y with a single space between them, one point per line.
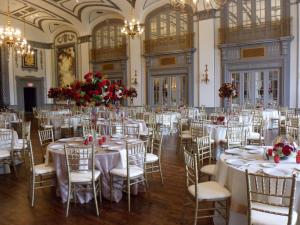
pixel 19 144
pixel 43 169
pixel 186 132
pixel 134 171
pixel 263 218
pixel 150 158
pixel 84 176
pixel 4 154
pixel 208 169
pixel 254 136
pixel 47 126
pixel 209 191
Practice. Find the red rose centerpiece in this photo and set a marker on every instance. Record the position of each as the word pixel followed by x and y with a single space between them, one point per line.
pixel 284 147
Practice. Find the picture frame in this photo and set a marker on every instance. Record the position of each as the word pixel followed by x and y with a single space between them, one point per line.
pixel 66 64
pixel 29 61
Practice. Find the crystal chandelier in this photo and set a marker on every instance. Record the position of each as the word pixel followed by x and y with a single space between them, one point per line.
pixel 132 28
pixel 214 4
pixel 12 37
pixel 178 5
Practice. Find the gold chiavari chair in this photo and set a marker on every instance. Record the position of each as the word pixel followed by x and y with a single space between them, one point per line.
pixel 271 199
pixel 153 158
pixel 45 137
pixel 117 128
pixel 4 124
pixel 132 130
pixel 41 175
pixel 87 129
pixel 204 155
pixel 204 192
pixel 235 136
pixel 7 153
pixel 184 137
pixel 82 175
pixel 133 174
pixel 103 128
pixel 21 145
pixel 67 129
pixel 293 132
pixel 256 136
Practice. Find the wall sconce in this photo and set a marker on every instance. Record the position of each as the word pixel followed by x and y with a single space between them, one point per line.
pixel 205 75
pixel 134 81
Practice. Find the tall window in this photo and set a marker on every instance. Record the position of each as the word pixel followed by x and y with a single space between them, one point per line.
pixel 232 14
pixel 252 12
pixel 108 35
pixel 168 23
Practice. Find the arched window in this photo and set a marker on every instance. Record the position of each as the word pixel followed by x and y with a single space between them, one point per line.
pixel 244 20
pixel 167 29
pixel 108 41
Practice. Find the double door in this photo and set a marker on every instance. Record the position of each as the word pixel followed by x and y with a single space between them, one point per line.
pixel 257 87
pixel 168 90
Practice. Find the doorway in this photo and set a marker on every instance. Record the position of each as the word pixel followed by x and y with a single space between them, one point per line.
pixel 257 87
pixel 169 90
pixel 29 98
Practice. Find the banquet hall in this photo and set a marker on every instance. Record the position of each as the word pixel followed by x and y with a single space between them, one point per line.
pixel 150 112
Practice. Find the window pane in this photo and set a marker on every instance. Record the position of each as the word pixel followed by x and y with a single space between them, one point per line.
pixel 246 12
pixel 173 27
pixel 275 10
pixel 232 14
pixel 153 28
pixel 260 12
pixel 163 24
pixel 183 23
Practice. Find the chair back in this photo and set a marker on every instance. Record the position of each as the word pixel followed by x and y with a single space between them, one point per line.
pixel 80 159
pixel 45 137
pixel 293 132
pixel 132 130
pixel 191 170
pixel 117 128
pixel 235 135
pixel 273 191
pixel 157 144
pixel 204 150
pixel 7 139
pixel 135 155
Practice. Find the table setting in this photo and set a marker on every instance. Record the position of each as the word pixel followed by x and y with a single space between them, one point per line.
pixel 280 160
pixel 110 152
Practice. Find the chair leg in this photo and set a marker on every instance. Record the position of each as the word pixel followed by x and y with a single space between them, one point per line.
pixel 128 195
pixel 111 187
pixel 100 188
pixel 95 198
pixel 196 212
pixel 227 211
pixel 69 197
pixel 160 171
pixel 32 187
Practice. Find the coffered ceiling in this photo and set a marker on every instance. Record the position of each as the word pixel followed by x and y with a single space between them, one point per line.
pixel 45 15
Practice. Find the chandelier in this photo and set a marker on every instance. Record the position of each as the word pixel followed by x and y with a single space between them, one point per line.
pixel 132 28
pixel 178 5
pixel 214 4
pixel 12 37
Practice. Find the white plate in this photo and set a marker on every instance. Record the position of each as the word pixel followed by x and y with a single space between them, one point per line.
pixel 251 147
pixel 233 151
pixel 278 172
pixel 66 139
pixel 57 147
pixel 268 165
pixel 236 162
pixel 119 142
pixel 104 146
pixel 132 140
pixel 117 136
pixel 257 151
pixel 115 139
pixel 73 144
pixel 113 148
pixel 78 139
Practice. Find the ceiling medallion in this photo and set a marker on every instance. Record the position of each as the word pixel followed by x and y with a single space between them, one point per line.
pixel 12 37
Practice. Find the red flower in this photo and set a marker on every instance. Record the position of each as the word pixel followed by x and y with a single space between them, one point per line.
pixel 286 150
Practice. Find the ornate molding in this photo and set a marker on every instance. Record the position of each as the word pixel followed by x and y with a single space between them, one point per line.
pixel 206 14
pixel 36 44
pixel 84 39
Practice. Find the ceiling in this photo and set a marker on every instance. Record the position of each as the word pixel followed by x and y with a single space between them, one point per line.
pixel 49 15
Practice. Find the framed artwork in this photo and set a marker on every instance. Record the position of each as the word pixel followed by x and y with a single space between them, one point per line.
pixel 30 61
pixel 66 64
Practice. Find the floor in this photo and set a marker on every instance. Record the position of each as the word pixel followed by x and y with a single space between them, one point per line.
pixel 164 206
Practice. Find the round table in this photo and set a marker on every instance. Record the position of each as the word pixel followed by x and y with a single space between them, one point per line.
pixel 105 161
pixel 234 179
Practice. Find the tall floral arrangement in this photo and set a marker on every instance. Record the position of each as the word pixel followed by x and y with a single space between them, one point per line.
pixel 93 90
pixel 228 90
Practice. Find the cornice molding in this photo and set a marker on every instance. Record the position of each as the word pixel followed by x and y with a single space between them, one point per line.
pixel 206 14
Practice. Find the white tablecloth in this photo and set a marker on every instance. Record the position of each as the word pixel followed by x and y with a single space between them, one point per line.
pixel 235 180
pixel 104 160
